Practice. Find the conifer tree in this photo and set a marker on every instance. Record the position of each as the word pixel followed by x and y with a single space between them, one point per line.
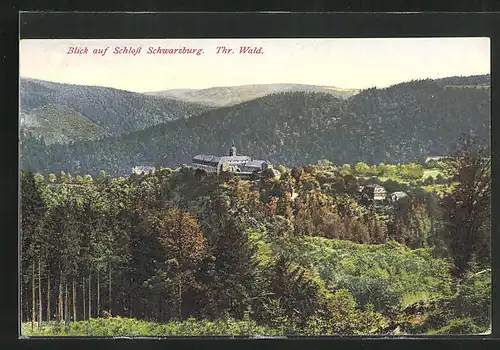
pixel 467 208
pixel 234 281
pixel 184 245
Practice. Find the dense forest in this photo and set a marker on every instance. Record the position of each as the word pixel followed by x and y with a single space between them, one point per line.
pixel 403 123
pixel 188 253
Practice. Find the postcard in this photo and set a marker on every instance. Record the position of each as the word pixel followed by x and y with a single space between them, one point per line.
pixel 269 187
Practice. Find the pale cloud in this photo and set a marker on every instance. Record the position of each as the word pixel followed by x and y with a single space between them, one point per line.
pixel 349 63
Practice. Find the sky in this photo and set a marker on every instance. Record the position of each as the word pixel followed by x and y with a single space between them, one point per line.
pixel 345 63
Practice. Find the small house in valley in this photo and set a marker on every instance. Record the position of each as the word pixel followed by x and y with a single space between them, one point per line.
pixel 397 196
pixel 375 192
pixel 142 170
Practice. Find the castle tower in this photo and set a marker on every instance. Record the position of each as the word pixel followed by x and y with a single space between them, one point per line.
pixel 232 151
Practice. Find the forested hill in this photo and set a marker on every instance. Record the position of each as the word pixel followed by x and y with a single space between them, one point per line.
pixel 402 123
pixel 476 80
pixel 115 111
pixel 411 120
pixel 59 124
pixel 231 95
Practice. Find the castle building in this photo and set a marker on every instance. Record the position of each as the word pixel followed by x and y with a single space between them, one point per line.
pixel 142 170
pixel 242 165
pixel 375 192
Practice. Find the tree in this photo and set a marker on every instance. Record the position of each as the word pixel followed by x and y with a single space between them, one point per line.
pixel 429 180
pixel 33 244
pixel 101 176
pixel 345 170
pixel 296 173
pixel 284 207
pixel 295 290
pixel 324 163
pixel 281 168
pixel 467 208
pixel 234 282
pixel 184 246
pixel 412 171
pixel 52 178
pixel 331 225
pixel 361 168
pixel 87 179
pixel 382 169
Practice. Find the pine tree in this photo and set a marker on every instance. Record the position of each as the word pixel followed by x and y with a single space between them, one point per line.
pixel 467 208
pixel 32 242
pixel 235 271
pixel 294 289
pixel 184 244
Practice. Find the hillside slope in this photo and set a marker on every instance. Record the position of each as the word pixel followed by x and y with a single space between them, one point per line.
pixel 410 120
pixel 116 111
pixel 59 124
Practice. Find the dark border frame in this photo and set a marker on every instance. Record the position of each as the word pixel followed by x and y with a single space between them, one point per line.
pixel 244 25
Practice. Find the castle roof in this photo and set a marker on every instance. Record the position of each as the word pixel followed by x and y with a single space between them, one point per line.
pixel 255 163
pixel 236 158
pixel 207 158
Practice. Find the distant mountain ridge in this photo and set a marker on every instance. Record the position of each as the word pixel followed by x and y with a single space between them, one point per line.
pixel 115 111
pixel 402 123
pixel 224 96
pixel 479 80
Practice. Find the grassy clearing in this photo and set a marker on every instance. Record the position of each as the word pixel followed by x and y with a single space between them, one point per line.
pixel 411 298
pixel 129 327
pixel 441 190
pixel 432 173
pixel 372 272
